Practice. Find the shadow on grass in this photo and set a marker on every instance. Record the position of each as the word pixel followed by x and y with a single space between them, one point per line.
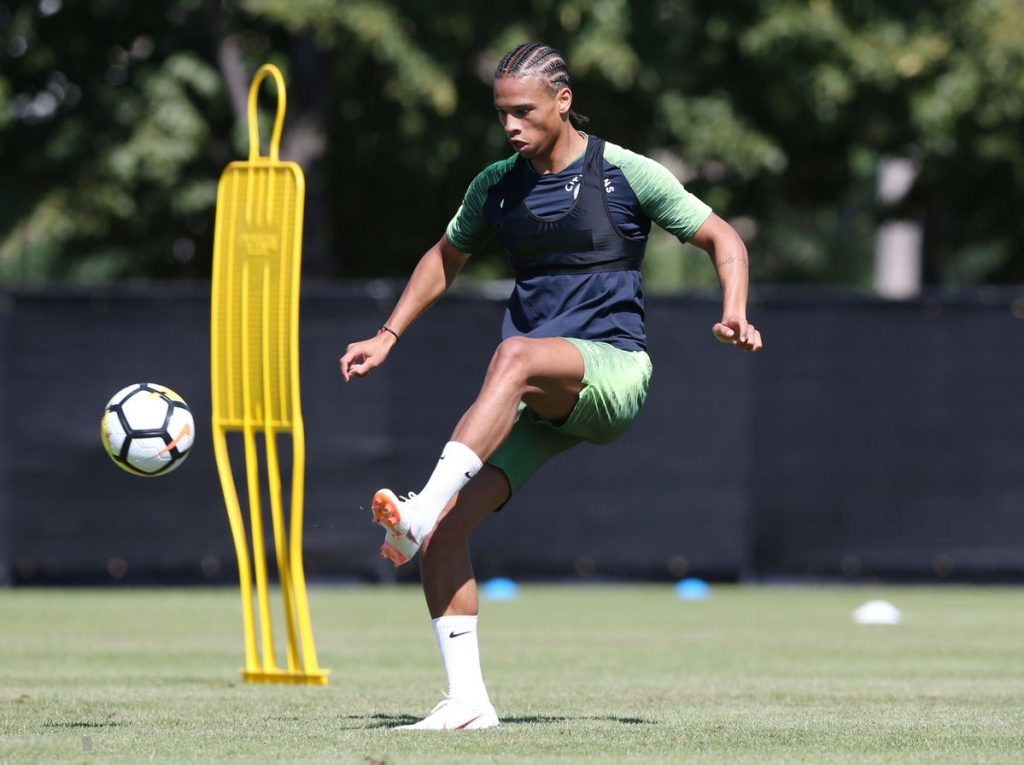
pixel 550 720
pixel 382 721
pixel 379 720
pixel 81 724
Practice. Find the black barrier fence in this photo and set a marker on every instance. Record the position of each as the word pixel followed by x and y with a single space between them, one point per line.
pixel 871 439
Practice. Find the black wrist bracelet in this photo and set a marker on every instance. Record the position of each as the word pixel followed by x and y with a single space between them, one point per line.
pixel 386 328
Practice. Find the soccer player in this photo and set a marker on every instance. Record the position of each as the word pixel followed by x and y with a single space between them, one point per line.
pixel 572 213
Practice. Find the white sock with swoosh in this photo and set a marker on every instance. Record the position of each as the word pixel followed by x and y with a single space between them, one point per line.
pixel 458 463
pixel 456 637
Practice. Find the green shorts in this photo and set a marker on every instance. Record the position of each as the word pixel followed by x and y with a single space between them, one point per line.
pixel 615 386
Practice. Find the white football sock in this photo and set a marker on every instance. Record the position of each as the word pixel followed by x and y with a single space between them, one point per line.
pixel 456 637
pixel 457 465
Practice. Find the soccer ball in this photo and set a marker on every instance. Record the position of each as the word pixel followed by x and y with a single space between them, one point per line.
pixel 147 429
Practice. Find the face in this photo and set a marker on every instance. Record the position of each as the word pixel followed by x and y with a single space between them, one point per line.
pixel 531 114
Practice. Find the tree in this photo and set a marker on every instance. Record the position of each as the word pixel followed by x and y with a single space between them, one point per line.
pixel 117 117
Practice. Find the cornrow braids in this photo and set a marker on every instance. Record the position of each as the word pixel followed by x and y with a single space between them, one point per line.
pixel 535 59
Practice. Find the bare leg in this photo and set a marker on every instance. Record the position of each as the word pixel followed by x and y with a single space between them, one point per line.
pixel 546 373
pixel 448 581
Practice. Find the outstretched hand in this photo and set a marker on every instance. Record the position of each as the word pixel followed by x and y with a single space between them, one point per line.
pixel 736 330
pixel 363 357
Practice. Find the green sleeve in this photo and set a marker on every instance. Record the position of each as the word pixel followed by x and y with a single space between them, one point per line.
pixel 662 197
pixel 468 230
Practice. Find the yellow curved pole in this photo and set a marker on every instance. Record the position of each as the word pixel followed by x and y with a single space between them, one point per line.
pixel 267 70
pixel 255 379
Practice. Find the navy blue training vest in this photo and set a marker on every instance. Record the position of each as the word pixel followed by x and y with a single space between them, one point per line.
pixel 583 240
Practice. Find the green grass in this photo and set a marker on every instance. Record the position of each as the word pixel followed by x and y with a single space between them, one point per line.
pixel 591 674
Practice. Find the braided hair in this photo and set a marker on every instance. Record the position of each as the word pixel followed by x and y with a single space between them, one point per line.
pixel 536 59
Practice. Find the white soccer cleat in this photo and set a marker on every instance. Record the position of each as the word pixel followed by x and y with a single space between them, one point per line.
pixel 398 546
pixel 452 714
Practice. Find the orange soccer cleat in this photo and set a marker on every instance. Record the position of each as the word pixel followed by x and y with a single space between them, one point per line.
pixel 388 510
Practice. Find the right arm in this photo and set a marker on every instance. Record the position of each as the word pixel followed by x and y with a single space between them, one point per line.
pixel 430 279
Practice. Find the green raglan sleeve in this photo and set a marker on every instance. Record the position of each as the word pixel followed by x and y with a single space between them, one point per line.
pixel 662 197
pixel 468 231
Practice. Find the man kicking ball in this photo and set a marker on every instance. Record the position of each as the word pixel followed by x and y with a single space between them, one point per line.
pixel 572 213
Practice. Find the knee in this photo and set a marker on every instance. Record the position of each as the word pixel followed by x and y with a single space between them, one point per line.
pixel 512 358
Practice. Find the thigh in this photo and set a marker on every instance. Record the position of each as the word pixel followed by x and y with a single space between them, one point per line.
pixel 615 391
pixel 555 371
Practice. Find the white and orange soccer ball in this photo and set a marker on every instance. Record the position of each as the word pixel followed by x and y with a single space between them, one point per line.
pixel 147 429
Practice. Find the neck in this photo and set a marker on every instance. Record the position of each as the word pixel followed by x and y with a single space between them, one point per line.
pixel 568 146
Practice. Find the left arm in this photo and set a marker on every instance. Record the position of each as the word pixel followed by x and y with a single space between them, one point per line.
pixel 729 255
pixel 664 200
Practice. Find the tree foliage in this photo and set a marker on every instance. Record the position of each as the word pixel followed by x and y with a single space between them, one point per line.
pixel 116 118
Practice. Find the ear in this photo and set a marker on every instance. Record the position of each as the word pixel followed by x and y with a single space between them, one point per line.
pixel 564 98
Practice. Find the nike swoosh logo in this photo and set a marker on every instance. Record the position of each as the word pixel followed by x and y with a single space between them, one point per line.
pixel 185 431
pixel 468 723
pixel 458 634
pixel 469 475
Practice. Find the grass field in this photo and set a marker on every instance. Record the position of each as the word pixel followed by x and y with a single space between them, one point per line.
pixel 590 674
